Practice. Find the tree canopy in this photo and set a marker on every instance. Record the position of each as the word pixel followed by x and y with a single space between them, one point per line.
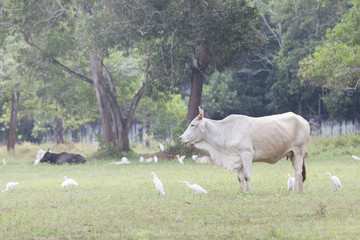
pixel 335 64
pixel 71 62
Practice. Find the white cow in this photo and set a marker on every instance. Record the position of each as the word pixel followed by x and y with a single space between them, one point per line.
pixel 237 141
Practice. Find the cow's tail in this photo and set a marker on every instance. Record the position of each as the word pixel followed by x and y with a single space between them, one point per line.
pixel 304 168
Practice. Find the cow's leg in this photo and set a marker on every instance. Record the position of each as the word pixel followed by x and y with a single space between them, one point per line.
pixel 298 163
pixel 247 171
pixel 241 177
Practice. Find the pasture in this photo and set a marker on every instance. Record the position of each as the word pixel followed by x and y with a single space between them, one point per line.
pixel 120 201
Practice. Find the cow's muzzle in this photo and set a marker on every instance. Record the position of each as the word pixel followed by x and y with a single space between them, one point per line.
pixel 182 140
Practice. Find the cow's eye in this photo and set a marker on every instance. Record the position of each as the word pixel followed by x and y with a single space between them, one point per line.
pixel 192 125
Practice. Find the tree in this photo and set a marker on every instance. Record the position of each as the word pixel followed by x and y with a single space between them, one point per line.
pixel 335 64
pixel 78 37
pixel 207 33
pixel 14 119
pixel 12 77
pixel 301 25
pixel 220 99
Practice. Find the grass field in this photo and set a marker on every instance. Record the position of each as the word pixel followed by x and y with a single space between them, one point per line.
pixel 120 201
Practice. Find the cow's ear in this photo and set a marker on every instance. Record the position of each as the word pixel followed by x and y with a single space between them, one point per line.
pixel 202 125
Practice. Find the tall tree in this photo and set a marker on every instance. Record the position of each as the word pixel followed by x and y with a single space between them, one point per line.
pixel 13 119
pixel 214 32
pixel 13 78
pixel 301 25
pixel 78 37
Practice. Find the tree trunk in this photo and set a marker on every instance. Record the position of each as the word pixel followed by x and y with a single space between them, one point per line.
pixel 198 65
pixel 121 135
pixel 59 131
pixel 147 127
pixel 197 79
pixel 105 120
pixel 13 121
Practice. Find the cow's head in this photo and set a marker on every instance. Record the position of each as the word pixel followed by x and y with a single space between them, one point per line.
pixel 196 130
pixel 46 157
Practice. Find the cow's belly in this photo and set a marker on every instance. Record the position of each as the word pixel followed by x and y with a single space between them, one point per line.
pixel 268 160
pixel 272 156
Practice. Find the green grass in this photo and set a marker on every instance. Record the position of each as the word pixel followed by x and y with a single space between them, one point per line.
pixel 120 201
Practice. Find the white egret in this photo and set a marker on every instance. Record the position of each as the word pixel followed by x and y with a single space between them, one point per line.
pixel 355 157
pixel 158 185
pixel 37 161
pixel 68 182
pixel 194 157
pixel 4 162
pixel 10 186
pixel 162 147
pixel 290 183
pixel 196 188
pixel 125 160
pixel 155 159
pixel 142 159
pixel 181 159
pixel 39 155
pixel 335 180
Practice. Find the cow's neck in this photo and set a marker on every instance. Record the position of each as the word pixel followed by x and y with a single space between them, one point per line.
pixel 216 143
pixel 211 141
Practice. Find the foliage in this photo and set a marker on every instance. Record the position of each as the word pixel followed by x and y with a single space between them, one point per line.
pixel 302 26
pixel 165 116
pixel 342 104
pixel 179 148
pixel 255 49
pixel 169 118
pixel 219 97
pixel 110 151
pixel 336 62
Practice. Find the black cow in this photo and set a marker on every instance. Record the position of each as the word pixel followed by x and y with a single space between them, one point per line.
pixel 61 158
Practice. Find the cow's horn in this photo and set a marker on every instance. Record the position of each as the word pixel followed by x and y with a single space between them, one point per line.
pixel 201 113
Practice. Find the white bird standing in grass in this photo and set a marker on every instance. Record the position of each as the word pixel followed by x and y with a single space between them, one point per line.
pixel 194 157
pixel 158 185
pixel 181 159
pixel 290 183
pixel 196 188
pixel 124 160
pixel 162 147
pixel 37 161
pixel 155 159
pixel 10 186
pixel 355 157
pixel 141 159
pixel 335 180
pixel 4 162
pixel 68 182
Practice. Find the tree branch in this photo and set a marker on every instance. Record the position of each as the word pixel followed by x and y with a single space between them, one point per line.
pixel 56 62
pixel 278 39
pixel 110 79
pixel 71 72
